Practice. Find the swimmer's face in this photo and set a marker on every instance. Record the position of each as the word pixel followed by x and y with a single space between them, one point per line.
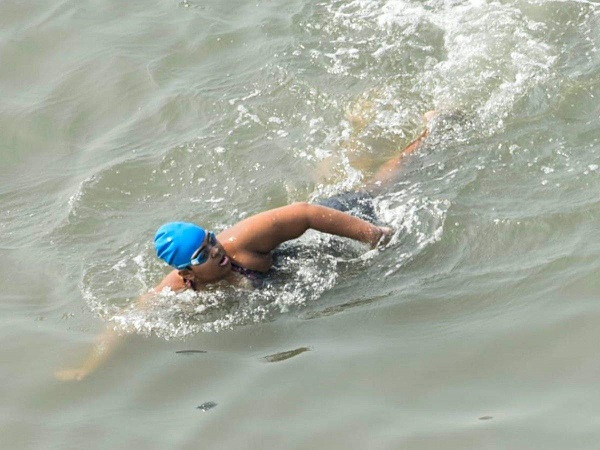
pixel 216 267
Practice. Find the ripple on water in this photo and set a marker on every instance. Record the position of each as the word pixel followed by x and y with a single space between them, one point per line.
pixel 404 58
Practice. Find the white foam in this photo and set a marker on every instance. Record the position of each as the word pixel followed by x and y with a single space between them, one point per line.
pixel 418 222
pixel 491 53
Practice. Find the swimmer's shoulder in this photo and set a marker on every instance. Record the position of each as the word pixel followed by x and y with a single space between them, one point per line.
pixel 173 280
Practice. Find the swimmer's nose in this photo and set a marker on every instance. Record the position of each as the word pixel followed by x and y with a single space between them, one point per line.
pixel 214 252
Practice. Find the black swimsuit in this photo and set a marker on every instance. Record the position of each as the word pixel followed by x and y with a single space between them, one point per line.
pixel 357 203
pixel 256 278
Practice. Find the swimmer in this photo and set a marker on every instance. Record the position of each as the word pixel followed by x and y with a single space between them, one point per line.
pixel 245 251
pixel 199 257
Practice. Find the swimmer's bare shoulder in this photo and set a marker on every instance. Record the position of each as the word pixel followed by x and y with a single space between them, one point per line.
pixel 173 280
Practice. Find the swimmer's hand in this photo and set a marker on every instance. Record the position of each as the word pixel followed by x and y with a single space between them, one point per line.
pixel 71 374
pixel 385 234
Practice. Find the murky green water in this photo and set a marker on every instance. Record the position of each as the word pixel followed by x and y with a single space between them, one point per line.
pixel 475 328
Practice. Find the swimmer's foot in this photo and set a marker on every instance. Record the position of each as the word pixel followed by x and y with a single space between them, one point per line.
pixel 430 115
pixel 427 120
pixel 441 121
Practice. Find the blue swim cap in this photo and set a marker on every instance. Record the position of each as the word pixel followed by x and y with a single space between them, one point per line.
pixel 176 242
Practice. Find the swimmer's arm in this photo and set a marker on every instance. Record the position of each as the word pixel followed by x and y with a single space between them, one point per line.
pixel 265 231
pixel 106 344
pixel 108 341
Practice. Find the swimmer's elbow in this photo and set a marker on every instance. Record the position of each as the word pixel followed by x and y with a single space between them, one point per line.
pixel 301 213
pixel 308 214
pixel 301 206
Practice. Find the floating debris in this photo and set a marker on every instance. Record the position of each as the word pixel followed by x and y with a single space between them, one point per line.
pixel 486 418
pixel 190 352
pixel 340 308
pixel 286 355
pixel 206 406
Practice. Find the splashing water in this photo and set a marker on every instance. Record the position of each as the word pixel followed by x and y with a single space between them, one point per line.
pixel 480 57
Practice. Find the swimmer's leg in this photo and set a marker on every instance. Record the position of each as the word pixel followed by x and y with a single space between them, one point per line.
pixel 352 151
pixel 388 171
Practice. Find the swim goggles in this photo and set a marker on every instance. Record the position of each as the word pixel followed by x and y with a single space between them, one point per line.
pixel 200 256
